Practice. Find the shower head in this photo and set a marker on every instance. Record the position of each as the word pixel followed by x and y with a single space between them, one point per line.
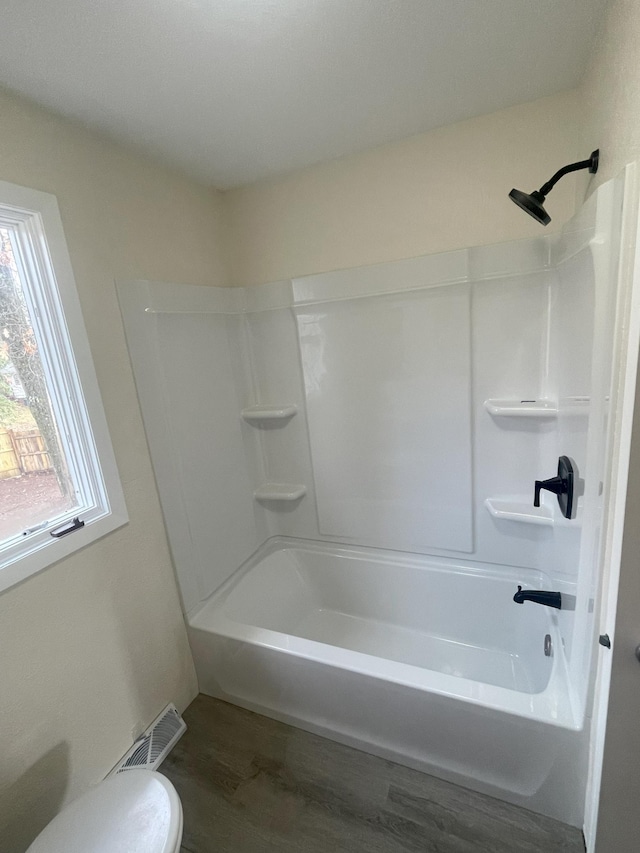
pixel 533 203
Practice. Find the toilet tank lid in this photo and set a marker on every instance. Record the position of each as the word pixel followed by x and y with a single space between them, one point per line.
pixel 137 811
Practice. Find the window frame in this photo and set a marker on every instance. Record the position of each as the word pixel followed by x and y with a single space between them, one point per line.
pixel 41 253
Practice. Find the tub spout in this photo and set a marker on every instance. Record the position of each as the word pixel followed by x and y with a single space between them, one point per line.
pixel 539 596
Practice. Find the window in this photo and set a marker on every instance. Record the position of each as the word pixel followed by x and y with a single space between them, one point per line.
pixel 59 487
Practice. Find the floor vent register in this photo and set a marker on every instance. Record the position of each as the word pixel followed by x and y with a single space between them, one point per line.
pixel 153 745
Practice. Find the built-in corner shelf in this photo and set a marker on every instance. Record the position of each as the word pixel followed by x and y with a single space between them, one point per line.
pixel 512 509
pixel 541 408
pixel 258 414
pixel 279 492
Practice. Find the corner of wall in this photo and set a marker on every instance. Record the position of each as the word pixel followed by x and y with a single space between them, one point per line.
pixel 610 91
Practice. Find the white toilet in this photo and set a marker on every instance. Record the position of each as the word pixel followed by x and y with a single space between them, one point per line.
pixel 137 811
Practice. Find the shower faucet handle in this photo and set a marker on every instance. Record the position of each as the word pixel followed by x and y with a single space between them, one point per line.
pixel 557 485
pixel 561 485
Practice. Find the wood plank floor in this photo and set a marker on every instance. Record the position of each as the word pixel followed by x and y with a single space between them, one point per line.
pixel 252 785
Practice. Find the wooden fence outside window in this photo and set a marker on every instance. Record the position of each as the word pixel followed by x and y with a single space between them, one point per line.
pixel 22 452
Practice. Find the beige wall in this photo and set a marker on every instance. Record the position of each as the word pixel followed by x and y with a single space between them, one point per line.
pixel 440 190
pixel 95 646
pixel 611 90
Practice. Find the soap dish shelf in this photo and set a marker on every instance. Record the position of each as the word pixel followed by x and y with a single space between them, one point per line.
pixel 279 492
pixel 541 408
pixel 258 414
pixel 515 509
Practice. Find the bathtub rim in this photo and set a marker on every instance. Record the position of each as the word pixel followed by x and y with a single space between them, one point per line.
pixel 555 705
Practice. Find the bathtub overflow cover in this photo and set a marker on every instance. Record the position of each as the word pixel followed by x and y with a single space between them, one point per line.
pixel 548 647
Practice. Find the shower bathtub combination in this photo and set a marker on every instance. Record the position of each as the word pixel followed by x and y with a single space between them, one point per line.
pixel 351 511
pixel 437 649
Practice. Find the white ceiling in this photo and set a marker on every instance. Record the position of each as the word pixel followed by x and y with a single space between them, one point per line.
pixel 236 90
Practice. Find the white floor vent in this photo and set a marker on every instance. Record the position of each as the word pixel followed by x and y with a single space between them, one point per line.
pixel 153 745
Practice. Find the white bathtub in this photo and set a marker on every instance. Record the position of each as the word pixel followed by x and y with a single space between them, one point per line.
pixel 427 662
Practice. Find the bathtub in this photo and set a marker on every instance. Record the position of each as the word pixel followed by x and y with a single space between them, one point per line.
pixel 424 661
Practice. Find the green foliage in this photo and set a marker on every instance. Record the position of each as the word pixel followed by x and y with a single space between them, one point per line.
pixel 13 414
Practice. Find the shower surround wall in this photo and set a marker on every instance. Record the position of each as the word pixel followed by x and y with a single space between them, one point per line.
pixel 406 407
